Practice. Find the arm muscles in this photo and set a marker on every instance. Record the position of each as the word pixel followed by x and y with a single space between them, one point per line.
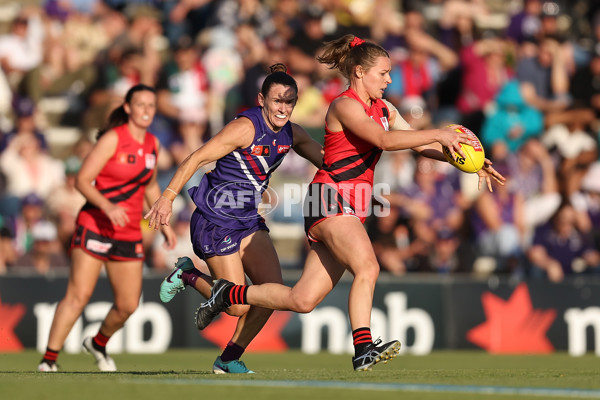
pixel 306 146
pixel 92 165
pixel 349 114
pixel 237 134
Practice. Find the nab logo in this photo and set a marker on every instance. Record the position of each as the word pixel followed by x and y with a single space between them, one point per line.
pixel 263 151
pixel 513 325
pixel 10 316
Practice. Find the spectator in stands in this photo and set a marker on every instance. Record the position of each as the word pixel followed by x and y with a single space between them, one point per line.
pixel 525 24
pixel 585 83
pixel 311 106
pixel 396 169
pixel 113 81
pixel 510 124
pixel 143 34
pixel 182 98
pixel 560 249
pixel 390 236
pixel 419 73
pixel 31 212
pixel 46 252
pixel 587 200
pixel 431 204
pixel 442 257
pixel 306 42
pixel 29 169
pixel 570 139
pixel 457 29
pixel 74 36
pixel 132 57
pixel 232 13
pixel 286 18
pixel 186 17
pixel 544 81
pixel 21 49
pixel 498 223
pixel 24 110
pixel 532 170
pixel 484 72
pixel 457 25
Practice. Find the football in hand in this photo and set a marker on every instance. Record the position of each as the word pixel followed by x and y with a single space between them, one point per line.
pixel 475 156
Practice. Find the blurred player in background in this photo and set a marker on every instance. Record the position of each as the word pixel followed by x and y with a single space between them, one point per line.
pixel 338 199
pixel 117 178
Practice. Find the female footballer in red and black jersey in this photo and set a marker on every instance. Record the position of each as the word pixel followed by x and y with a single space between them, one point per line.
pixel 117 178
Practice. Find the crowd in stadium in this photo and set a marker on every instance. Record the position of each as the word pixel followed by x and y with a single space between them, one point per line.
pixel 524 75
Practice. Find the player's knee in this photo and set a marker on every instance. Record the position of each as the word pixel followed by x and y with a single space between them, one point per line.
pixel 368 272
pixel 238 310
pixel 125 309
pixel 77 301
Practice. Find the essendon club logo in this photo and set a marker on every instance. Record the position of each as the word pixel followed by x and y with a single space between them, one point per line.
pixel 282 148
pixel 124 158
pixel 264 151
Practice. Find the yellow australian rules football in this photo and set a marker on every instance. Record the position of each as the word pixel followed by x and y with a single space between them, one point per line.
pixel 475 156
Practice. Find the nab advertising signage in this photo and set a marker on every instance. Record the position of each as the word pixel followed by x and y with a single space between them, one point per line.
pixel 424 314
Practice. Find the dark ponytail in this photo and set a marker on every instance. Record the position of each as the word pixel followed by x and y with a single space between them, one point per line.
pixel 118 116
pixel 278 75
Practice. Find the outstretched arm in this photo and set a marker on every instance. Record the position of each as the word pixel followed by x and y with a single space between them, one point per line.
pixel 434 150
pixel 306 146
pixel 236 134
pixel 349 114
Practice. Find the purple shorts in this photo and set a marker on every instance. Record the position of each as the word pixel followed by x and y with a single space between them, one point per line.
pixel 210 239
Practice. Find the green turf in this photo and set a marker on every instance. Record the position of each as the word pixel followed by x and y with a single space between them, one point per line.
pixel 186 374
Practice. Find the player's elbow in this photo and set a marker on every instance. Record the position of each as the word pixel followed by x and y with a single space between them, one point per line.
pixel 387 144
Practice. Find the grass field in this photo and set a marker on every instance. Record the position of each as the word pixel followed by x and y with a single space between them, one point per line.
pixel 186 374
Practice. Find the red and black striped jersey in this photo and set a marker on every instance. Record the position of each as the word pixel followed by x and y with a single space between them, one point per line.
pixel 348 159
pixel 123 181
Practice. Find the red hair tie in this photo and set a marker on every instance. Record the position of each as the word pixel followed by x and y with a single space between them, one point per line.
pixel 356 41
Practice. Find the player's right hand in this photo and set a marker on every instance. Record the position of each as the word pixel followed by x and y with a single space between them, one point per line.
pixel 451 138
pixel 117 215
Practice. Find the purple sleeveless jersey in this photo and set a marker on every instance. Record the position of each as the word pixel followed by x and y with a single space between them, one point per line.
pixel 229 195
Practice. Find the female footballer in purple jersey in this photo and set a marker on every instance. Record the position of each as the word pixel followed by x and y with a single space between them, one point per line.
pixel 226 229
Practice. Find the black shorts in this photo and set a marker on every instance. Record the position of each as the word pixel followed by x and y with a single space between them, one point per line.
pixel 323 201
pixel 105 248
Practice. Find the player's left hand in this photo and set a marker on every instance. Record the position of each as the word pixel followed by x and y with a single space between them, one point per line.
pixel 488 173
